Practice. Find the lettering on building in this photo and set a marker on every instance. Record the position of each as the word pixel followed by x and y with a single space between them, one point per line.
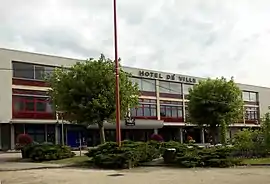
pixel 171 77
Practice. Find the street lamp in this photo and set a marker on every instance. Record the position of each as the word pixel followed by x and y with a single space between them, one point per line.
pixel 117 94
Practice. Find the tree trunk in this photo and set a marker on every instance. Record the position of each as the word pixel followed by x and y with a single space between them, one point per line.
pixel 101 133
pixel 213 134
pixel 223 133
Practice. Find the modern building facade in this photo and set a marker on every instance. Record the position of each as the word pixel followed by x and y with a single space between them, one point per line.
pixel 25 105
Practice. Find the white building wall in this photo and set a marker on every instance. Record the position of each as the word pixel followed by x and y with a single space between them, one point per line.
pixel 6 87
pixel 6 58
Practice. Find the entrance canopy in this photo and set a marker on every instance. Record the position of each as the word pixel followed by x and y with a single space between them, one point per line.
pixel 139 124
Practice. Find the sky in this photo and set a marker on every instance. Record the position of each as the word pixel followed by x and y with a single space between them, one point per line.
pixel 204 38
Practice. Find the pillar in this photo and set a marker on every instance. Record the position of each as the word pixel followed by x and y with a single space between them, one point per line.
pixel 0 137
pixel 155 131
pixel 158 102
pixel 202 136
pixel 12 137
pixel 181 135
pixel 56 134
pixel 46 132
pixel 66 135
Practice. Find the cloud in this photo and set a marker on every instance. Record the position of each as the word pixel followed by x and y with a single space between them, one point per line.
pixel 197 37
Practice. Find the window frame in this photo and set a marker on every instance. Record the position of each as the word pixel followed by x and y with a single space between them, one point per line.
pixel 171 106
pixel 46 69
pixel 36 99
pixel 249 93
pixel 149 104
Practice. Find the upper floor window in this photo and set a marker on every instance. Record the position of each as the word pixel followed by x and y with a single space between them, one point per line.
pixel 170 87
pixel 145 84
pixel 146 108
pixel 30 71
pixel 32 104
pixel 249 96
pixel 171 109
pixel 186 88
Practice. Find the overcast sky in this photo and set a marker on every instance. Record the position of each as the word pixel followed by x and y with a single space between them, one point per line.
pixel 205 38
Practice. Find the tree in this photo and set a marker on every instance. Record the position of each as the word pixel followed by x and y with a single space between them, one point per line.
pixel 86 92
pixel 266 130
pixel 215 103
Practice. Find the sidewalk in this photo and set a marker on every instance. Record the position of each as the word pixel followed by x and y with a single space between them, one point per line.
pixel 17 166
pixel 11 162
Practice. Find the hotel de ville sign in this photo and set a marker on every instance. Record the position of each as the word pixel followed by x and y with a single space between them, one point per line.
pixel 171 77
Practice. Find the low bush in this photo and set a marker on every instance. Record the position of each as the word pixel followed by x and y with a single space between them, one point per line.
pixel 46 152
pixel 194 156
pixel 130 154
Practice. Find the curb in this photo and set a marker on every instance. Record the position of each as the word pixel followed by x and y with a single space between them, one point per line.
pixel 36 168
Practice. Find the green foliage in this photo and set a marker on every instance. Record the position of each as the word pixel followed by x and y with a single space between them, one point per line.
pixel 194 156
pixel 86 92
pixel 46 152
pixel 130 154
pixel 249 143
pixel 266 130
pixel 213 102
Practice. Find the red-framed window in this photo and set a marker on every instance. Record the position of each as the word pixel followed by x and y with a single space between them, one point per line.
pixel 32 107
pixel 147 109
pixel 171 110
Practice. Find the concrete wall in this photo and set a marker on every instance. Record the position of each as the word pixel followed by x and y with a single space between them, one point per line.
pixel 264 96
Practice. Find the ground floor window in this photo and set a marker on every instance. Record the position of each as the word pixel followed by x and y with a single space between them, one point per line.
pixel 37 132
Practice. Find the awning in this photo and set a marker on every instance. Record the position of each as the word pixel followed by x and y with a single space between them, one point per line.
pixel 139 124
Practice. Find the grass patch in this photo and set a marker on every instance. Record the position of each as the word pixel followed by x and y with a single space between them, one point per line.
pixel 256 161
pixel 77 160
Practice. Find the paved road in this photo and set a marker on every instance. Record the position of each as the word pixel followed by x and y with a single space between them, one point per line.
pixel 140 175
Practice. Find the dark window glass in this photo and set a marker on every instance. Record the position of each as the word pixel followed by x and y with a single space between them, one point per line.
pixel 146 108
pixel 41 106
pixel 29 106
pixel 23 70
pixel 171 109
pixel 39 72
pixel 18 105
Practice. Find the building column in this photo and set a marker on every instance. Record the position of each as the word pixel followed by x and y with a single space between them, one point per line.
pixel 46 132
pixel 0 137
pixel 158 102
pixel 155 131
pixel 183 103
pixel 56 134
pixel 181 135
pixel 12 137
pixel 202 136
pixel 66 136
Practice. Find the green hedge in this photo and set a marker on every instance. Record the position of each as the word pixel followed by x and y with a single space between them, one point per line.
pixel 194 156
pixel 130 154
pixel 46 152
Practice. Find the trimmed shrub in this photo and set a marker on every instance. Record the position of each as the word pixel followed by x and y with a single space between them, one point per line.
pixel 46 152
pixel 195 156
pixel 130 154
